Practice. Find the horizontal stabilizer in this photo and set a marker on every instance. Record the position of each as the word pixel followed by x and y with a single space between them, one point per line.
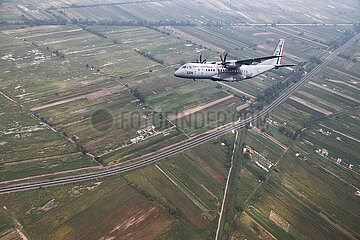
pixel 285 65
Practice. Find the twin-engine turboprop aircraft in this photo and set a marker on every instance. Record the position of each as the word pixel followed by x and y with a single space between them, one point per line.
pixel 233 70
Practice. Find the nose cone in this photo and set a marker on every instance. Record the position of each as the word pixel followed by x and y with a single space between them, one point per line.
pixel 177 73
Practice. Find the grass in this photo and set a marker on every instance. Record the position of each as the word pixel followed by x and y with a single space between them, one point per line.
pixel 62 221
pixel 6 221
pixel 323 184
pixel 275 133
pixel 30 149
pixel 263 146
pixel 151 145
pixel 267 224
pixel 247 183
pixel 345 150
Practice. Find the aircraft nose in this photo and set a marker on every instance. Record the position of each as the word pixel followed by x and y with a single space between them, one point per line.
pixel 176 74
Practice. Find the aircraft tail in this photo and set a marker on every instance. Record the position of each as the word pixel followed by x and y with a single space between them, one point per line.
pixel 279 51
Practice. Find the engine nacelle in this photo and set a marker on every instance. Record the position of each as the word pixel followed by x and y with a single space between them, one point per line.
pixel 231 65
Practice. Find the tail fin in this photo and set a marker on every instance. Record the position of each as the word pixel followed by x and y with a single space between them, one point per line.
pixel 279 51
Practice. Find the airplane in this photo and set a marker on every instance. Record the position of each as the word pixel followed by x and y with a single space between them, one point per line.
pixel 233 70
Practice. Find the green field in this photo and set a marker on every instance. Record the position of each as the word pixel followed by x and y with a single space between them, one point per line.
pixel 165 193
pixel 83 81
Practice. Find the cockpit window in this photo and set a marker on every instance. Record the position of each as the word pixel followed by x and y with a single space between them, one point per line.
pixel 184 67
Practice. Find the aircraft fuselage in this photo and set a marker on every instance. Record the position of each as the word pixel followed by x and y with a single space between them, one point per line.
pixel 217 72
pixel 233 70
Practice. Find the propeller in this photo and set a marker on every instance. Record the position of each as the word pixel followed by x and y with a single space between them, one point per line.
pixel 200 60
pixel 223 59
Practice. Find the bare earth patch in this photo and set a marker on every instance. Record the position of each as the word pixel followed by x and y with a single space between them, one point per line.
pixel 25 65
pixel 243 106
pixel 310 105
pixel 308 95
pixel 262 33
pixel 206 167
pixel 80 190
pixel 49 205
pixel 199 108
pixel 66 40
pixel 9 235
pixel 337 226
pixel 101 93
pixel 136 219
pixel 279 221
pixel 251 224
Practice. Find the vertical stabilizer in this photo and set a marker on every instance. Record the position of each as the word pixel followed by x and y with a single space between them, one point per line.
pixel 279 51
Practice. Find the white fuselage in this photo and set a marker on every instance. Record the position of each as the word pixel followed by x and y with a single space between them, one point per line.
pixel 216 71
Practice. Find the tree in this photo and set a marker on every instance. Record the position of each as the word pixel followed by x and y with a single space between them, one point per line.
pixel 138 95
pixel 315 59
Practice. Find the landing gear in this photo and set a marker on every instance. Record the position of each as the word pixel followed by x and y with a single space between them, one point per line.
pixel 194 79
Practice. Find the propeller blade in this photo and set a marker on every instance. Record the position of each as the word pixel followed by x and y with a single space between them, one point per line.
pixel 223 59
pixel 200 59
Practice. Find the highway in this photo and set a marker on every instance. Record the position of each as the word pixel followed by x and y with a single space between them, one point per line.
pixel 182 146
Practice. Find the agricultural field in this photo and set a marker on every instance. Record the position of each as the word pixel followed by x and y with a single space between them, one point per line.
pixel 87 85
pixel 84 86
pixel 161 200
pixel 306 182
pixel 30 148
pixel 286 198
pixel 199 12
pixel 319 173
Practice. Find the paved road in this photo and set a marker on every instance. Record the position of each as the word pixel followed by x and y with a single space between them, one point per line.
pixel 182 146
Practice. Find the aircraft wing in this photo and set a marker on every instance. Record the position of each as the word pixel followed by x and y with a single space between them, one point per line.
pixel 228 77
pixel 251 60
